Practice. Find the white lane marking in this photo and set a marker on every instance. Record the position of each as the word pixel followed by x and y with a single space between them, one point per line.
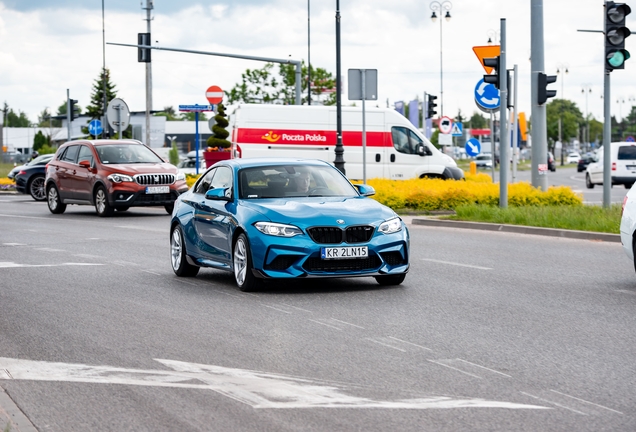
pixel 326 325
pixel 140 228
pixel 49 249
pixel 483 367
pixel 254 388
pixel 87 256
pixel 93 238
pixel 386 345
pixel 14 244
pixel 148 271
pixel 553 403
pixel 410 343
pixel 276 309
pixel 626 292
pixel 347 323
pixel 125 263
pixel 450 367
pixel 583 400
pixel 15 265
pixel 296 307
pixel 456 264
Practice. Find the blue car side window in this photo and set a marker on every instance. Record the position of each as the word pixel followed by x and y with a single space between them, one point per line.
pixel 204 184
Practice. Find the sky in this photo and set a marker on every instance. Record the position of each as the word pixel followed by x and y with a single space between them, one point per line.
pixel 49 46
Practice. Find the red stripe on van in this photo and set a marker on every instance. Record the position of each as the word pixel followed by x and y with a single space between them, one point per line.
pixel 310 137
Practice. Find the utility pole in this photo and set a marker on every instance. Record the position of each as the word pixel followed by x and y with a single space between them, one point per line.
pixel 339 150
pixel 104 122
pixel 539 120
pixel 149 6
pixel 504 160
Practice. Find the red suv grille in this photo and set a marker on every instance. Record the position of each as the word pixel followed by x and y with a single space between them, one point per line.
pixel 154 179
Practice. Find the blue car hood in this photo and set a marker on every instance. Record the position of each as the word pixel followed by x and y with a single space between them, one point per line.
pixel 317 211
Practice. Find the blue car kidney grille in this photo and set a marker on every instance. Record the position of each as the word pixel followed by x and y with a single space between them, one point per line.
pixel 313 265
pixel 154 179
pixel 335 235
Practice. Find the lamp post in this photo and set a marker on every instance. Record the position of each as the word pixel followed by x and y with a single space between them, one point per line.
pixel 563 70
pixel 440 7
pixel 586 90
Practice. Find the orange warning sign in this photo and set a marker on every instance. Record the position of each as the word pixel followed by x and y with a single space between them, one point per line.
pixel 488 51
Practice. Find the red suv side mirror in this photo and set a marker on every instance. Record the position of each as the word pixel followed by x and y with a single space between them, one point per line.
pixel 85 163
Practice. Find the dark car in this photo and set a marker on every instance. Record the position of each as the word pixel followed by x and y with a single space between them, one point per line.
pixel 294 219
pixel 30 180
pixel 584 162
pixel 551 162
pixel 111 175
pixel 40 160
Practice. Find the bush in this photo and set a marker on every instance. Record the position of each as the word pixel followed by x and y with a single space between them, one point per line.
pixel 173 155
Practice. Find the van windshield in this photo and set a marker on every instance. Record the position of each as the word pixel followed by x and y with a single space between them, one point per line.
pixel 627 152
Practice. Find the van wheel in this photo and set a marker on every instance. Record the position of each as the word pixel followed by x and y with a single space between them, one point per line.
pixel 628 185
pixel 588 182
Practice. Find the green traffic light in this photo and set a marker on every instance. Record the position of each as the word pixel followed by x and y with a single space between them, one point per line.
pixel 616 59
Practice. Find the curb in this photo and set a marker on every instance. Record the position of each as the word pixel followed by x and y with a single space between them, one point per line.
pixel 520 229
pixel 11 417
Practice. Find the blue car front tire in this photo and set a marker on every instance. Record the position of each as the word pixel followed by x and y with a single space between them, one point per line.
pixel 242 260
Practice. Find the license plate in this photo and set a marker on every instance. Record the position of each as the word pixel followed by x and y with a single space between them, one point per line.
pixel 631 167
pixel 344 252
pixel 157 189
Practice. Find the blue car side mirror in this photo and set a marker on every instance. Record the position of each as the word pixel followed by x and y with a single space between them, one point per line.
pixel 218 194
pixel 365 190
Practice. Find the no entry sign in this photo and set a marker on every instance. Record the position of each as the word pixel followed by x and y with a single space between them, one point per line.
pixel 214 94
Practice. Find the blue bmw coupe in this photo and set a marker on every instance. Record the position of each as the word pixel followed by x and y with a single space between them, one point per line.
pixel 274 218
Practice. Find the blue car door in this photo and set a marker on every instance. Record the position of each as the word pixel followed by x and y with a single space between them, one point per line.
pixel 213 220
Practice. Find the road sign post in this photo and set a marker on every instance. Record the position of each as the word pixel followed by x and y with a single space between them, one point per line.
pixel 363 85
pixel 196 109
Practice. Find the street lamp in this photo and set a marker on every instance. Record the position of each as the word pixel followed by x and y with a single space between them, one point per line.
pixel 563 70
pixel 440 7
pixel 586 90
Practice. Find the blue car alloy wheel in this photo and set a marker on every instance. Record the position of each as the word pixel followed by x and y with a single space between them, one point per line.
pixel 271 219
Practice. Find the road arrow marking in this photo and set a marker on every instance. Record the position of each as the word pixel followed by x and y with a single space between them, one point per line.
pixel 257 389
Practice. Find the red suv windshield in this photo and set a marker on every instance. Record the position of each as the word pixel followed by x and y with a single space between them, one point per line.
pixel 126 154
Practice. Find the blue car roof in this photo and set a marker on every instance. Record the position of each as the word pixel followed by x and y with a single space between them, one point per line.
pixel 254 162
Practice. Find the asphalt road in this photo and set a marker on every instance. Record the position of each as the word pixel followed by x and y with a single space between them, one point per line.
pixel 490 331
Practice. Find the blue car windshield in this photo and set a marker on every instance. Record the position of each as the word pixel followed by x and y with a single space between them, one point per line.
pixel 288 181
pixel 126 154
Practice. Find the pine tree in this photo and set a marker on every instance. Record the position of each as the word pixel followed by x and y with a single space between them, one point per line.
pixel 220 134
pixel 96 108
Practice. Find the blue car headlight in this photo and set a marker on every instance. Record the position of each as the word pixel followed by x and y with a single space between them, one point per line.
pixel 391 226
pixel 276 229
pixel 118 178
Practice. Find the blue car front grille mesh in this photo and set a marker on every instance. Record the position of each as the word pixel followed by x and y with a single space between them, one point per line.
pixel 393 258
pixel 336 235
pixel 281 262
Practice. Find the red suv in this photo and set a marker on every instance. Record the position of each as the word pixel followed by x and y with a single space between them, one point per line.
pixel 111 175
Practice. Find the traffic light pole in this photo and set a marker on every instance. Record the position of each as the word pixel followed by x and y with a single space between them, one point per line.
pixel 68 115
pixel 607 140
pixel 504 160
pixel 539 122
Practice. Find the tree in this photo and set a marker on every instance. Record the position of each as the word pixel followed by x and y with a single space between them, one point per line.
pixel 39 140
pixel 264 86
pixel 15 120
pixel 571 119
pixel 219 139
pixel 169 113
pixel 96 108
pixel 477 121
pixel 190 116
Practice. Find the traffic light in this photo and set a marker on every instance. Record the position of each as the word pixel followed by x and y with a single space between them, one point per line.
pixel 542 88
pixel 494 77
pixel 430 106
pixel 74 109
pixel 143 54
pixel 615 34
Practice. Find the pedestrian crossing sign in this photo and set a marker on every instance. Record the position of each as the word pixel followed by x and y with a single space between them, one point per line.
pixel 457 129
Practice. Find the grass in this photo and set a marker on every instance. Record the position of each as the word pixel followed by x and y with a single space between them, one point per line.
pixel 5 168
pixel 581 218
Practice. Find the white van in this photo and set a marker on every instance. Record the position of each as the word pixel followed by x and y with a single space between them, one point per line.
pixel 623 165
pixel 395 149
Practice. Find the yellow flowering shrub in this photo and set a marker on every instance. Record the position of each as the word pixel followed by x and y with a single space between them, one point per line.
pixel 437 194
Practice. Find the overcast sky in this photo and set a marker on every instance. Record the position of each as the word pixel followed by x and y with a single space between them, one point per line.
pixel 47 46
